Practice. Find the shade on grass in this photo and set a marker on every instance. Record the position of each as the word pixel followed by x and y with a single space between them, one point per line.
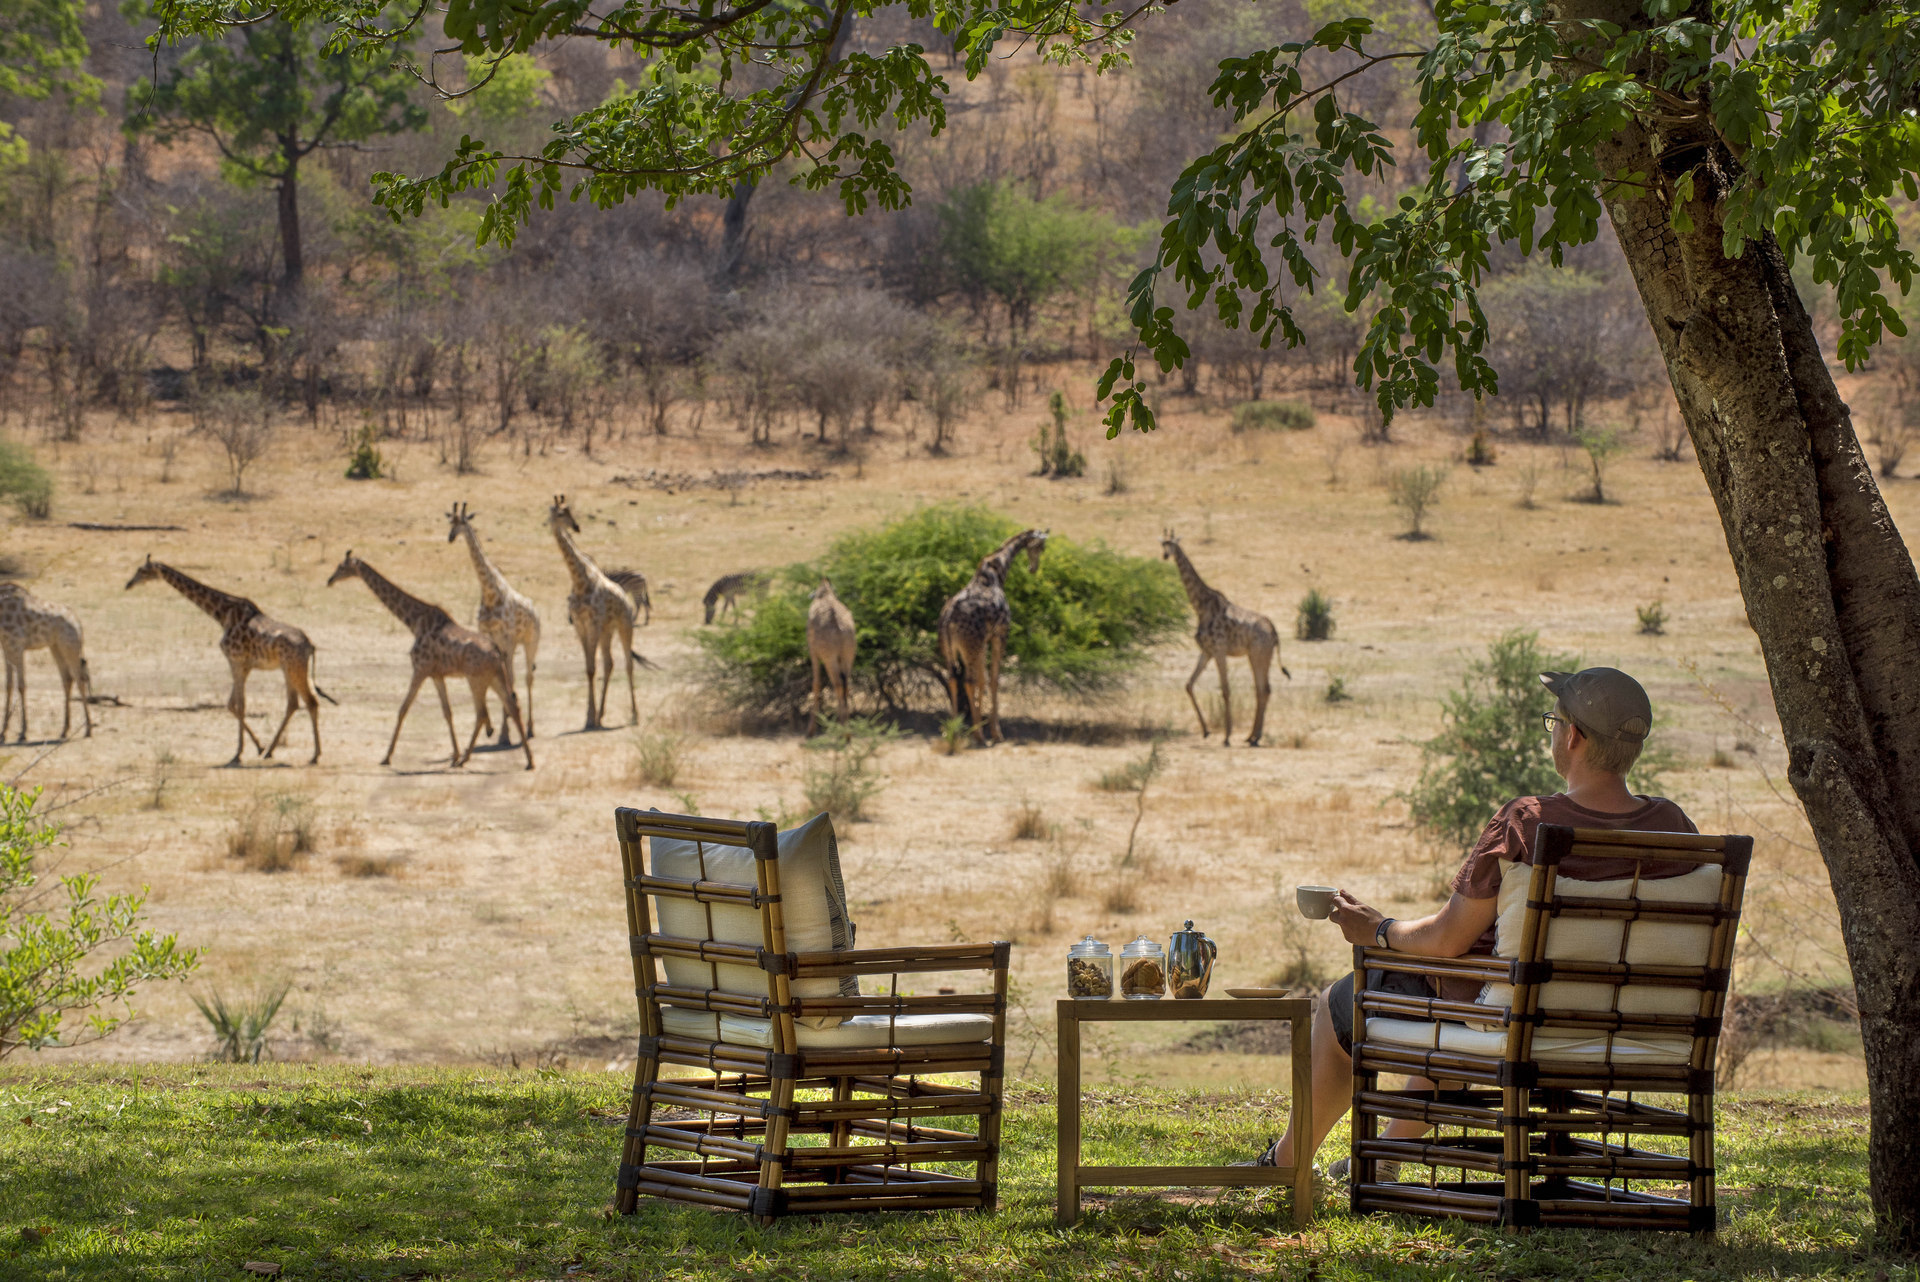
pixel 439 1173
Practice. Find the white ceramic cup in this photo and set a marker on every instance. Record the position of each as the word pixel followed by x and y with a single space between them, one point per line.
pixel 1315 901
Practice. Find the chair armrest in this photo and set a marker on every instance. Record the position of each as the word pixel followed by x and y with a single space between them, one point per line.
pixel 901 961
pixel 1484 969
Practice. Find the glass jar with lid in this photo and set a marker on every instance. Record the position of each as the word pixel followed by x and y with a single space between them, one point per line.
pixel 1143 970
pixel 1090 970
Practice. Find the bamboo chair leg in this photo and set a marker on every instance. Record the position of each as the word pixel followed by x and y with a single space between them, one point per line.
pixel 639 1116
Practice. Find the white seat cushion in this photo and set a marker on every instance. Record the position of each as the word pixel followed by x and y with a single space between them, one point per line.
pixel 1562 1046
pixel 862 1032
pixel 813 908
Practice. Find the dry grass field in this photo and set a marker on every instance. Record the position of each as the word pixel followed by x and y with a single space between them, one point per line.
pixel 466 914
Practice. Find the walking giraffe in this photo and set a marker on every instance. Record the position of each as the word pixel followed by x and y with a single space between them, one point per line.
pixel 1226 631
pixel 974 624
pixel 504 617
pixel 599 609
pixel 441 649
pixel 28 622
pixel 830 645
pixel 251 640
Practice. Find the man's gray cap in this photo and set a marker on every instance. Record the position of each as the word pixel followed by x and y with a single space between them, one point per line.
pixel 1607 703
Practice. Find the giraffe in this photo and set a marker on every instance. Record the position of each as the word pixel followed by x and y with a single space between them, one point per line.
pixel 441 649
pixel 28 622
pixel 504 617
pixel 636 585
pixel 1226 631
pixel 973 630
pixel 251 640
pixel 598 608
pixel 728 587
pixel 830 643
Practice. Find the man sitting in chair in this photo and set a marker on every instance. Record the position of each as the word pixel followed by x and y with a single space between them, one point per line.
pixel 1596 729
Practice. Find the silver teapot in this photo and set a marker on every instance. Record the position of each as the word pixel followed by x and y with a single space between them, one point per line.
pixel 1190 957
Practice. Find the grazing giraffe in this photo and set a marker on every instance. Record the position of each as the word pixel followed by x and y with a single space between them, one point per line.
pixel 598 608
pixel 504 617
pixel 728 587
pixel 830 645
pixel 441 649
pixel 1226 631
pixel 974 625
pixel 28 622
pixel 251 640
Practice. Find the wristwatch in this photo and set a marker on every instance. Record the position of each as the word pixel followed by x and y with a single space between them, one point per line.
pixel 1380 932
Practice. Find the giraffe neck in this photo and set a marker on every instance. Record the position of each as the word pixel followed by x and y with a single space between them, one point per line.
pixel 583 570
pixel 223 606
pixel 994 568
pixel 1202 596
pixel 491 584
pixel 420 616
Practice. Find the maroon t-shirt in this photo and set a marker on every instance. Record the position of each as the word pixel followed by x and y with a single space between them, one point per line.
pixel 1508 838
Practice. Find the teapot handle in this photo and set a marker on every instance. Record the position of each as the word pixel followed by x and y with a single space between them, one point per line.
pixel 1213 949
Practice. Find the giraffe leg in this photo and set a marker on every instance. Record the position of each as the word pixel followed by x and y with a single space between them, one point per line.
pixel 606 675
pixel 993 688
pixel 293 706
pixel 479 685
pixel 84 679
pixel 1262 690
pixel 446 710
pixel 1198 668
pixel 20 675
pixel 813 699
pixel 237 705
pixel 419 678
pixel 8 719
pixel 529 708
pixel 587 646
pixel 633 699
pixel 1226 703
pixel 512 710
pixel 845 678
pixel 300 690
pixel 66 699
pixel 505 740
pixel 972 677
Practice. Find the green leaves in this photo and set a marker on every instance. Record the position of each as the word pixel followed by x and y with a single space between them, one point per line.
pixel 50 961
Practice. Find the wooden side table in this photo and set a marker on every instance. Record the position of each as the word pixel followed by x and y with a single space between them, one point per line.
pixel 1073 1012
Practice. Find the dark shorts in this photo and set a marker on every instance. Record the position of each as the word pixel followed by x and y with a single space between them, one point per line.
pixel 1339 997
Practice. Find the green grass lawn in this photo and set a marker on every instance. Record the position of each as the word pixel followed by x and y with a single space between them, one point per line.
pixel 444 1173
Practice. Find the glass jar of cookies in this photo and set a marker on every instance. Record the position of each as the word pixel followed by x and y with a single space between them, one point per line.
pixel 1143 970
pixel 1090 970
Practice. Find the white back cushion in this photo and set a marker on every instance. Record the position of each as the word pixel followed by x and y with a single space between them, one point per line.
pixel 813 903
pixel 1651 943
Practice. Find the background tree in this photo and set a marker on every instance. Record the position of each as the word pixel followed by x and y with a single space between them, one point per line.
pixel 268 95
pixel 43 48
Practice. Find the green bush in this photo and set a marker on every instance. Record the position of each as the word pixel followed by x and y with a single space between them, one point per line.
pixel 58 937
pixel 25 482
pixel 1272 416
pixel 1314 620
pixel 1079 626
pixel 365 463
pixel 1491 747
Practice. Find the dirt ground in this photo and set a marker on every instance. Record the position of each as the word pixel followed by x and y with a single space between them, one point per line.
pixel 476 913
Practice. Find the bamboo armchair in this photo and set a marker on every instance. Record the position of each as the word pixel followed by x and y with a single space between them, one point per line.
pixel 804 1103
pixel 1612 989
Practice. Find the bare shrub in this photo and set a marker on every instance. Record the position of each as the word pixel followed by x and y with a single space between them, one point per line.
pixel 1414 490
pixel 657 758
pixel 275 833
pixel 364 866
pixel 1894 432
pixel 1030 823
pixel 239 421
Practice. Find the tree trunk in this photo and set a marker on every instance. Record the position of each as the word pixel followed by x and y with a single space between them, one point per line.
pixel 290 254
pixel 1829 587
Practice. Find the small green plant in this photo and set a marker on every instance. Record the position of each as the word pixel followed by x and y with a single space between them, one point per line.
pixel 275 833
pixel 1723 760
pixel 1480 451
pixel 57 937
pixel 163 767
pixel 1337 691
pixel 953 734
pixel 1314 619
pixel 24 482
pixel 240 1026
pixel 1030 823
pixel 1058 458
pixel 1118 480
pixel 688 803
pixel 1131 777
pixel 839 779
pixel 1272 416
pixel 364 465
pixel 1653 619
pixel 1413 490
pixel 1602 445
pixel 656 758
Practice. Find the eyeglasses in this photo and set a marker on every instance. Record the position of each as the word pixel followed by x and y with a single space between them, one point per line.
pixel 1548 720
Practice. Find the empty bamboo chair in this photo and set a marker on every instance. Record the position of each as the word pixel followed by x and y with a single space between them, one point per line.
pixel 1602 993
pixel 809 1096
